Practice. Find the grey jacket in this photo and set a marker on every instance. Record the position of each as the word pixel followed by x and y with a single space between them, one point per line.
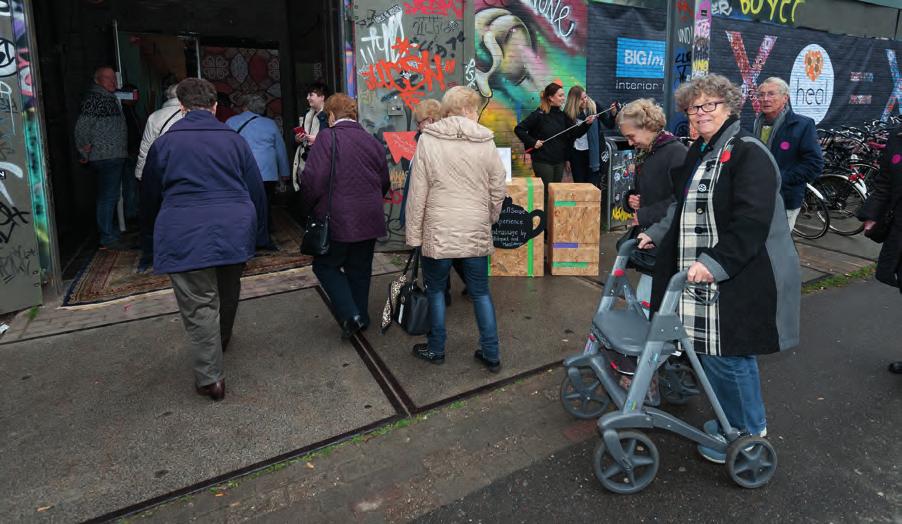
pixel 101 125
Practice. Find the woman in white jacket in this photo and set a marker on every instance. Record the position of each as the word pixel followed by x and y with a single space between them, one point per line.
pixel 456 192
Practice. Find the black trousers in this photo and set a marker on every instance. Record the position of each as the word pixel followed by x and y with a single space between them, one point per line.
pixel 345 274
pixel 579 166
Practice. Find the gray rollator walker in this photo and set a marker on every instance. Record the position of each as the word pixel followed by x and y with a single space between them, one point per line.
pixel 626 460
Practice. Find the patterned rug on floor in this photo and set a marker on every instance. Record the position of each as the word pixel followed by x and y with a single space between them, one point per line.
pixel 113 275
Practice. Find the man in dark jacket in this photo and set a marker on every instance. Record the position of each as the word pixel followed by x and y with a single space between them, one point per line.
pixel 205 200
pixel 792 139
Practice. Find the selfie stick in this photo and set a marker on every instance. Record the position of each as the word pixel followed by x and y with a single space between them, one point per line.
pixel 552 137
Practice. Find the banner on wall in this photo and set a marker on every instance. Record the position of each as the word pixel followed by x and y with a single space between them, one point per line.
pixel 833 79
pixel 637 36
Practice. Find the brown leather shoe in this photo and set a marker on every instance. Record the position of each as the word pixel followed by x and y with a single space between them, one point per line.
pixel 216 390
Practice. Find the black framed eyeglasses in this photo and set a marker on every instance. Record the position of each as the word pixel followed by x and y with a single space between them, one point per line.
pixel 707 107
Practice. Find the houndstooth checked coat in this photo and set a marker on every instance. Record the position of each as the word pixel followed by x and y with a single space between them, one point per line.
pixel 754 260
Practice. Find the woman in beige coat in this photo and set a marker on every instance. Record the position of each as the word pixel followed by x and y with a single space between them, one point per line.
pixel 456 191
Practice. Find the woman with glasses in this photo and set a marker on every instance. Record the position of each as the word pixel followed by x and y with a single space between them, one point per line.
pixel 728 228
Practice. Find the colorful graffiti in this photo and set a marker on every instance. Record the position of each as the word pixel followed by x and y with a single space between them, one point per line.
pixel 750 71
pixel 701 42
pixel 412 75
pixel 24 224
pixel 520 47
pixel 405 51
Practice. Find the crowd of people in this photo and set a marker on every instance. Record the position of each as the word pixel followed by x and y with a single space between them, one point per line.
pixel 721 209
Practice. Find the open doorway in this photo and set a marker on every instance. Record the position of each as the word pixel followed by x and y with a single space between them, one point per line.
pixel 273 48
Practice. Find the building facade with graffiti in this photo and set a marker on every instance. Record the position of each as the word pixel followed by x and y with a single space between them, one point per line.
pixel 391 55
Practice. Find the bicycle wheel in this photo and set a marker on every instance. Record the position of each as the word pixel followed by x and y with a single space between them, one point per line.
pixel 814 218
pixel 844 199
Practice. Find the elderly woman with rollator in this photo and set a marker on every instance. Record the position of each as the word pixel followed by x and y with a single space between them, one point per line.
pixel 728 228
pixel 456 191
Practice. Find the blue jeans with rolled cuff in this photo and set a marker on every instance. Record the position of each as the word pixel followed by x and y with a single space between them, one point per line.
pixel 737 385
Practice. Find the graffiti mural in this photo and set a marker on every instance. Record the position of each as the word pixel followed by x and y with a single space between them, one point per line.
pixel 520 47
pixel 21 197
pixel 405 51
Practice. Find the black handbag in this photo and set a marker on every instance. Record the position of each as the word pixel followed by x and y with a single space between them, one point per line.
pixel 316 232
pixel 642 260
pixel 411 310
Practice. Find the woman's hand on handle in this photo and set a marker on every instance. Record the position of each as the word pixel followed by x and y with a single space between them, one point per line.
pixel 645 241
pixel 633 201
pixel 699 274
pixel 538 144
pixel 590 119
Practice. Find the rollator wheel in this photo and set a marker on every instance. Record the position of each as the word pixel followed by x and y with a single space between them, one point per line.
pixel 677 383
pixel 640 452
pixel 751 461
pixel 586 400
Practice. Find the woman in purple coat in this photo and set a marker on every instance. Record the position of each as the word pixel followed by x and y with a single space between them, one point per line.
pixel 357 216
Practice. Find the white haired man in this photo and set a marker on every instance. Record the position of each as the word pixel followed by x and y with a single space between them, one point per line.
pixel 792 139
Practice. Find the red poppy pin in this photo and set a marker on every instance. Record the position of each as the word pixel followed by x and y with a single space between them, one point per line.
pixel 725 157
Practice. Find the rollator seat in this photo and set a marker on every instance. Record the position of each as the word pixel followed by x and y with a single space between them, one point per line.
pixel 625 330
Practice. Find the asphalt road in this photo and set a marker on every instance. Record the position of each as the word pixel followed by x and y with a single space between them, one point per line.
pixel 834 416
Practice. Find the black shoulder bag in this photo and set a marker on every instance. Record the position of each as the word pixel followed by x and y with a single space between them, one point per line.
pixel 411 311
pixel 316 233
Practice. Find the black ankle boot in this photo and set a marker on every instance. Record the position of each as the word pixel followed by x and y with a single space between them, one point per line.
pixel 351 326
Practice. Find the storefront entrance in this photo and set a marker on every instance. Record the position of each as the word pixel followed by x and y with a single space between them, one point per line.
pixel 272 48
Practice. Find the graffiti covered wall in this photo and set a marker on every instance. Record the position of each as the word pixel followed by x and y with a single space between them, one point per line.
pixel 520 47
pixel 405 51
pixel 20 269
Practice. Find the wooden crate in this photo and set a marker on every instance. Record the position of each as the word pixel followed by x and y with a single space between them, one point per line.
pixel 521 217
pixel 574 229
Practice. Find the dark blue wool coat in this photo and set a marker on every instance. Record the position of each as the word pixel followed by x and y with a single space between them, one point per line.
pixel 202 195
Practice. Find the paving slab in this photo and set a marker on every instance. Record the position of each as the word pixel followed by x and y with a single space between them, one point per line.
pixel 104 418
pixel 857 245
pixel 540 321
pixel 833 415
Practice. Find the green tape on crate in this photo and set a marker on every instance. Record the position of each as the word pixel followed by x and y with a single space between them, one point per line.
pixel 565 203
pixel 580 265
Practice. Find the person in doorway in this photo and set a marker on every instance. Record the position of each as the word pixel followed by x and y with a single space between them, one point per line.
pixel 312 121
pixel 544 123
pixel 585 156
pixel 101 136
pixel 727 228
pixel 884 206
pixel 157 123
pixel 792 139
pixel 265 139
pixel 224 107
pixel 203 199
pixel 642 123
pixel 355 205
pixel 456 192
pixel 134 123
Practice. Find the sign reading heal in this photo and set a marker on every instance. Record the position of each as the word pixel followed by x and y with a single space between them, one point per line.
pixel 811 83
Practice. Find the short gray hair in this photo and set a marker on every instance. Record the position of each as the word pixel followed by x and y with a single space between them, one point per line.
pixel 255 104
pixel 172 91
pixel 782 86
pixel 712 85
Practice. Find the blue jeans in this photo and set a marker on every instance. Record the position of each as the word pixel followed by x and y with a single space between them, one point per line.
pixel 476 273
pixel 738 389
pixel 109 189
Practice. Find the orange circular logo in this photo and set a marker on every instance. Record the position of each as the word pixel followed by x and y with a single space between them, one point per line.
pixel 814 64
